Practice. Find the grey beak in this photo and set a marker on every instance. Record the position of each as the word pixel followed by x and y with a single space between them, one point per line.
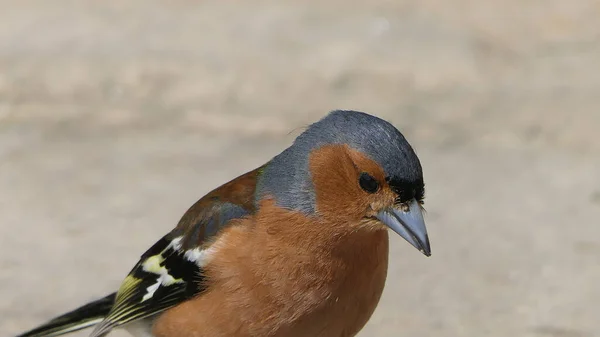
pixel 409 225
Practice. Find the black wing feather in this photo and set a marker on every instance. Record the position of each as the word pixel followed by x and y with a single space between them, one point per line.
pixel 80 318
pixel 161 279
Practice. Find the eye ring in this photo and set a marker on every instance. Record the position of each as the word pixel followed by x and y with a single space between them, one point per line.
pixel 368 183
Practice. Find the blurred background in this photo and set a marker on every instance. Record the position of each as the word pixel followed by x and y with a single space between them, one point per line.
pixel 115 116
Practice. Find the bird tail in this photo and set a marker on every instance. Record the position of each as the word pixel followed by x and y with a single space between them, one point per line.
pixel 80 318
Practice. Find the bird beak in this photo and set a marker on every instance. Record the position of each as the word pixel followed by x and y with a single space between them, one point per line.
pixel 409 224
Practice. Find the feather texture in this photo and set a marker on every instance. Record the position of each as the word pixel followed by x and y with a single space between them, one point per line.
pixel 80 318
pixel 171 271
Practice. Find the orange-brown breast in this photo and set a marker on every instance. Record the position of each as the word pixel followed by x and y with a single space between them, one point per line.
pixel 283 274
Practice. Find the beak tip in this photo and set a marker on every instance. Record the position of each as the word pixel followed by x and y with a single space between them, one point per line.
pixel 409 225
pixel 426 247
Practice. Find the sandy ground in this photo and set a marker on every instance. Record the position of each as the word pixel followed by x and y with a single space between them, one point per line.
pixel 115 116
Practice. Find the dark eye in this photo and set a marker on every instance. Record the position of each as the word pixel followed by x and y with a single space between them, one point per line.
pixel 368 183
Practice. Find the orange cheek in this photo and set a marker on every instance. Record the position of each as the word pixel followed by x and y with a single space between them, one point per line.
pixel 381 200
pixel 335 170
pixel 387 197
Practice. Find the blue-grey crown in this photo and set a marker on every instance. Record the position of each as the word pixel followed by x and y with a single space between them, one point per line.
pixel 287 178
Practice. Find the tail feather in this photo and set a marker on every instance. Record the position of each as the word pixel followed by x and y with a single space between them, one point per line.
pixel 80 318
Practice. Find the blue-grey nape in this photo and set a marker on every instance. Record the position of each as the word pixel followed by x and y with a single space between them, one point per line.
pixel 287 178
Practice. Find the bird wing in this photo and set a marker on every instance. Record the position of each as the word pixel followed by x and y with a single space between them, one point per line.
pixel 83 317
pixel 171 271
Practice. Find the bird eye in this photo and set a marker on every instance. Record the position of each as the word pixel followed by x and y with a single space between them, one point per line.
pixel 368 183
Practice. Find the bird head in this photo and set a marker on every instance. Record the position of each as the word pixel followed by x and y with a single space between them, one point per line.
pixel 355 169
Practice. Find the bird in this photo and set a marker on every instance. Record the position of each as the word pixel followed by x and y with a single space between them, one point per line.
pixel 296 247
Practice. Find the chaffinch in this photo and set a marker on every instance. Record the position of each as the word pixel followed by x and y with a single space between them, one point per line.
pixel 297 247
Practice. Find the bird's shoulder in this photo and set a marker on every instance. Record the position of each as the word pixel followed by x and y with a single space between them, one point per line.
pixel 171 271
pixel 208 216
